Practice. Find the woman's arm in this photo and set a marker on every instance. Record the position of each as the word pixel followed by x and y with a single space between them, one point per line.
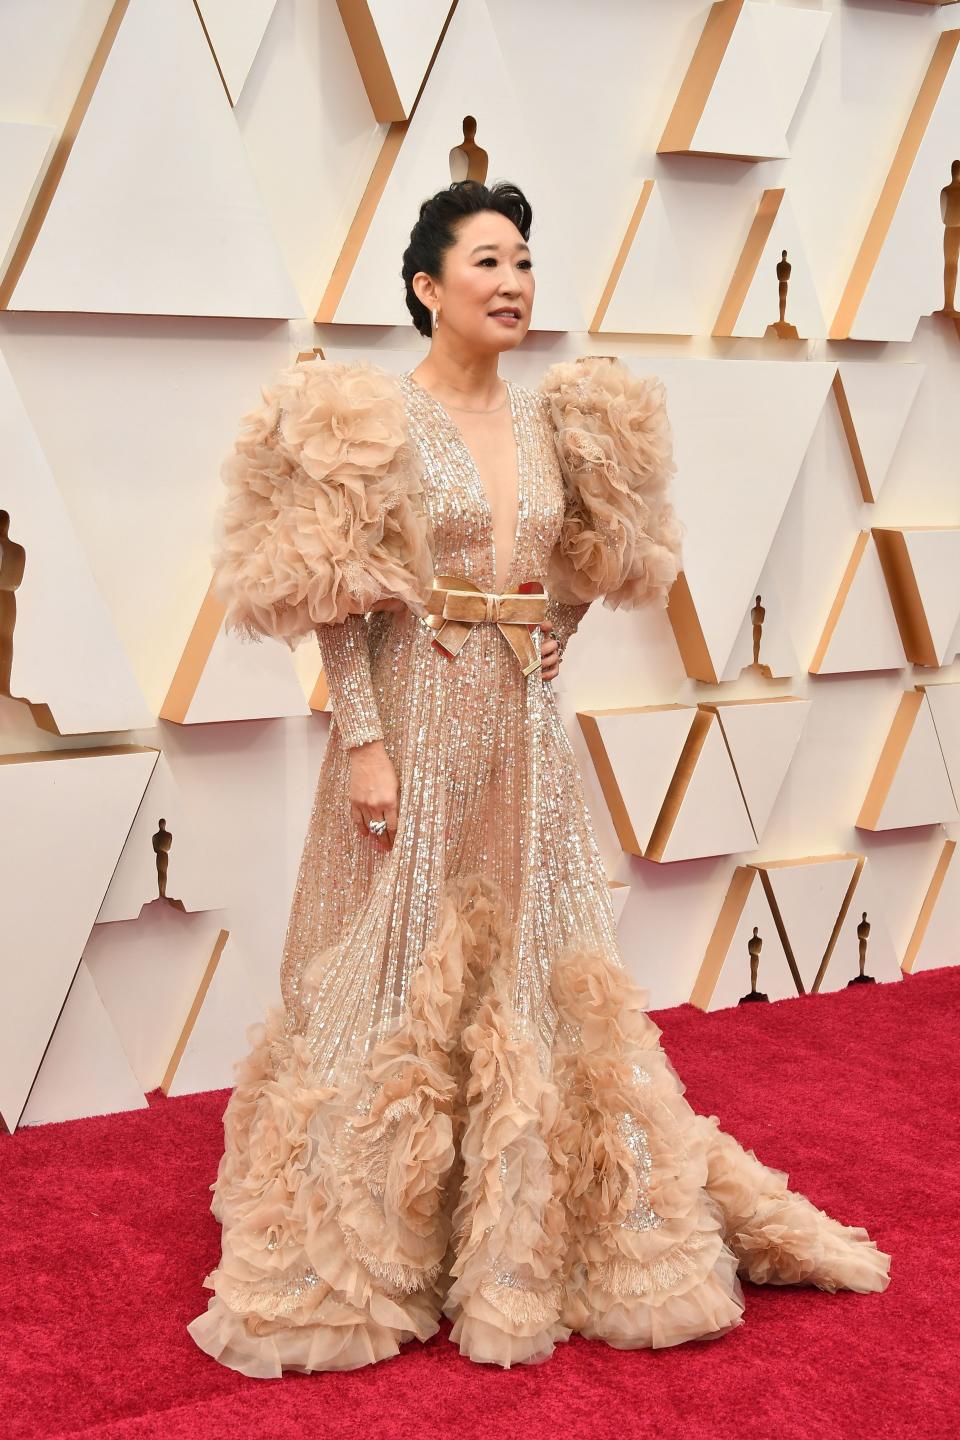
pixel 374 786
pixel 324 520
pixel 565 619
pixel 345 650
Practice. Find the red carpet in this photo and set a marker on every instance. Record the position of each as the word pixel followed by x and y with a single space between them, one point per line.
pixel 107 1236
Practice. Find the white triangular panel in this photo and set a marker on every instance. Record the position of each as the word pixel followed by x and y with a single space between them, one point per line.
pixel 774 976
pixel 777 653
pixel 151 967
pixel 920 792
pixel 906 278
pixel 880 397
pixel 652 295
pixel 935 560
pixel 763 737
pixel 136 879
pixel 85 1070
pixel 619 895
pixel 66 656
pixel 944 703
pixel 761 305
pixel 235 33
pixel 882 962
pixel 218 1037
pixel 939 944
pixel 157 211
pixel 643 747
pixel 742 430
pixel 865 636
pixel 67 816
pixel 246 681
pixel 24 153
pixel 408 34
pixel 712 818
pixel 468 78
pixel 308 668
pixel 953 645
pixel 809 897
pixel 762 75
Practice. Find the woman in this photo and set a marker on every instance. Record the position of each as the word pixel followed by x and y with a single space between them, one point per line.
pixel 462 1107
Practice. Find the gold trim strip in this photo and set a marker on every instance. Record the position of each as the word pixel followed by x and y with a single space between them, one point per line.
pixel 894 185
pixel 694 92
pixel 196 653
pixel 836 609
pixel 890 757
pixel 934 890
pixel 195 1008
pixel 841 918
pixel 371 60
pixel 734 903
pixel 54 173
pixel 905 597
pixel 372 195
pixel 853 439
pixel 608 783
pixel 750 257
pixel 680 784
pixel 621 259
pixel 688 632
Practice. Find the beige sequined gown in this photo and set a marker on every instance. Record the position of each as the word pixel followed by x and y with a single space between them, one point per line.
pixel 463 1107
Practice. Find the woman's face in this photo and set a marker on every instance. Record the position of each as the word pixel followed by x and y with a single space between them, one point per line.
pixel 486 270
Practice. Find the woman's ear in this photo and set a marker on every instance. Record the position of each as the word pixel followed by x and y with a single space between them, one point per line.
pixel 425 290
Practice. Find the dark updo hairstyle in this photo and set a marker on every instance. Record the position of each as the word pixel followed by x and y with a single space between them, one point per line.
pixel 435 231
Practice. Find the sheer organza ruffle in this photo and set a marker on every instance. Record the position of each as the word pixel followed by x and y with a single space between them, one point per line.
pixel 525 1186
pixel 621 537
pixel 323 513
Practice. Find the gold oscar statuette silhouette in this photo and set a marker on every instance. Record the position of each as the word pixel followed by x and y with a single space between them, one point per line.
pixel 162 841
pixel 13 560
pixel 754 946
pixel 950 215
pixel 757 615
pixel 467 160
pixel 781 328
pixel 863 934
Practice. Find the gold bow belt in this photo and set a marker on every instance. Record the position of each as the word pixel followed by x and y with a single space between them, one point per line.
pixel 456 604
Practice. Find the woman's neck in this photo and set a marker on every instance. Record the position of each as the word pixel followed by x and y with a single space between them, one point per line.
pixel 470 380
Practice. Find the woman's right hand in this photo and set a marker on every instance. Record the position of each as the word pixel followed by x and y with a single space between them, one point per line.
pixel 374 791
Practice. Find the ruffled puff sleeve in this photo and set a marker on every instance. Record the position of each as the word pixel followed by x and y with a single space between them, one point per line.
pixel 324 513
pixel 621 537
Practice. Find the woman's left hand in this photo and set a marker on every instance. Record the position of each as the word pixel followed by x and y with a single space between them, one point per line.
pixel 549 652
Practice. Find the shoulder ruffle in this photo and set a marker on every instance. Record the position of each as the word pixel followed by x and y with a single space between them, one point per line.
pixel 324 511
pixel 621 538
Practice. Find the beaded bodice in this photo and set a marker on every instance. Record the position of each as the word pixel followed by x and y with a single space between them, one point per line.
pixel 459 510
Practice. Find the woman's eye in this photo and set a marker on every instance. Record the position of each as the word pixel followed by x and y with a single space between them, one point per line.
pixel 490 260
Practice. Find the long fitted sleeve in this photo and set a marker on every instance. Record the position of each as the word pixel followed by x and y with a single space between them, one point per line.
pixel 345 650
pixel 565 619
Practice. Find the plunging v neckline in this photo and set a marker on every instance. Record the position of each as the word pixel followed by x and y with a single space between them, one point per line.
pixel 471 461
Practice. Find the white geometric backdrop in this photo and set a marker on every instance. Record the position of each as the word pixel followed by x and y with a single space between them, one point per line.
pixel 191 195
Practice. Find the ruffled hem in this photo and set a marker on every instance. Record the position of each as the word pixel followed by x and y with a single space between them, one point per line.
pixel 237 1342
pixel 524 1187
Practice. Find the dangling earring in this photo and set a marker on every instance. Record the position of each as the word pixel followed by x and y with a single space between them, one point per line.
pixel 436 318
